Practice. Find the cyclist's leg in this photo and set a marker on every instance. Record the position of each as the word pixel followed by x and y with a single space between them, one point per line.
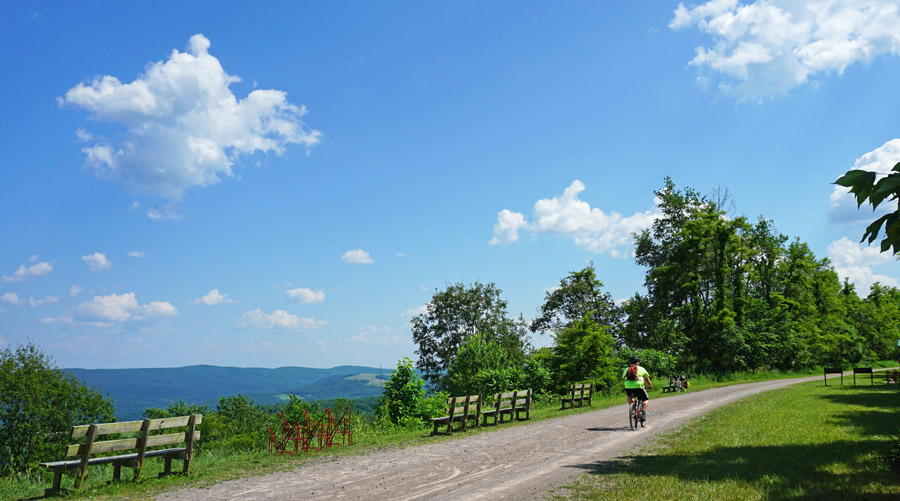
pixel 646 402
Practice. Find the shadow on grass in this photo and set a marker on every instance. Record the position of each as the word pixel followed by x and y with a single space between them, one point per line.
pixel 783 472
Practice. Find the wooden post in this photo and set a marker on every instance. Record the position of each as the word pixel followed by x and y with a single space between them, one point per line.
pixel 189 444
pixel 141 449
pixel 86 455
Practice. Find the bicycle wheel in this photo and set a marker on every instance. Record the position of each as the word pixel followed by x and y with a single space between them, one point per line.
pixel 632 417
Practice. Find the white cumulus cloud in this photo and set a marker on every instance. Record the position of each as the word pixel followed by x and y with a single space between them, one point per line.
pixel 97 262
pixel 357 256
pixel 9 298
pixel 303 295
pixel 116 308
pixel 765 48
pixel 23 272
pixel 277 320
pixel 591 228
pixel 213 298
pixel 843 207
pixel 855 262
pixel 183 126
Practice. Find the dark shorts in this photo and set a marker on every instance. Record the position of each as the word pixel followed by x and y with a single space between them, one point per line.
pixel 640 393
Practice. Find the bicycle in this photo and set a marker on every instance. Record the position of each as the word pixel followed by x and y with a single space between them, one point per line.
pixel 634 413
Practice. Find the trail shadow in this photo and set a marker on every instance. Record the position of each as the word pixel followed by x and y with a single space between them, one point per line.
pixel 617 428
pixel 878 412
pixel 786 472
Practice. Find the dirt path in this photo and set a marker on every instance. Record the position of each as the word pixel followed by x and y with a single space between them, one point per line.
pixel 512 462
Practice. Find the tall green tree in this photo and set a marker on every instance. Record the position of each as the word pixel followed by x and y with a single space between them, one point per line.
pixel 458 312
pixel 580 293
pixel 39 405
pixel 584 351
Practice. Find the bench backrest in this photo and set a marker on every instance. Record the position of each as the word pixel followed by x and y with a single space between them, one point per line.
pixel 93 431
pixel 580 387
pixel 459 406
pixel 862 370
pixel 833 370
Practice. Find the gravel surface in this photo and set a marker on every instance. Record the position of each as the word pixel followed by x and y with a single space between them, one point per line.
pixel 521 462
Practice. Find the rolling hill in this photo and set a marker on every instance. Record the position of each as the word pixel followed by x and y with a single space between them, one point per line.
pixel 134 390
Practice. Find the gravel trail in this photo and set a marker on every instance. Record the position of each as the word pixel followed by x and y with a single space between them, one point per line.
pixel 520 462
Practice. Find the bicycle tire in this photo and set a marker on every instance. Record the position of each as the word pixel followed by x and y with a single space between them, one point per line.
pixel 632 418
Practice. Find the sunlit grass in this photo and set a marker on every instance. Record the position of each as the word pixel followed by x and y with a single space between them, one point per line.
pixel 210 467
pixel 805 441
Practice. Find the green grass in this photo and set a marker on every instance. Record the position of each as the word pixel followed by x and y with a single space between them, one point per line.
pixel 805 441
pixel 214 467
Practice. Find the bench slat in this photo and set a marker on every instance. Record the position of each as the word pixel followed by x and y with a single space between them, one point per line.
pixel 132 426
pixel 129 443
pixel 74 463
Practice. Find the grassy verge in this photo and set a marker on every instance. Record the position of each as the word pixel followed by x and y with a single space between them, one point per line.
pixel 806 441
pixel 211 468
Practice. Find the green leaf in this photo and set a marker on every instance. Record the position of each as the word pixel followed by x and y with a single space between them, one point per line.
pixel 851 177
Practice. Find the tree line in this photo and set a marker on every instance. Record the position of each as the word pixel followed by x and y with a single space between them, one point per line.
pixel 723 294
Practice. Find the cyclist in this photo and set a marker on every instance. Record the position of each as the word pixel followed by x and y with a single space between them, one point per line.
pixel 634 376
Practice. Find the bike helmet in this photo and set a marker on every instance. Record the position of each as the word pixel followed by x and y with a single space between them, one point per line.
pixel 634 360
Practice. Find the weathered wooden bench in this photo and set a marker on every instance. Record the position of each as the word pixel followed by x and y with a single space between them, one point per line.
pixel 459 410
pixel 510 403
pixel 141 444
pixel 578 393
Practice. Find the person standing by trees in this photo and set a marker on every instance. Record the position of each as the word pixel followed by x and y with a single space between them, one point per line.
pixel 634 376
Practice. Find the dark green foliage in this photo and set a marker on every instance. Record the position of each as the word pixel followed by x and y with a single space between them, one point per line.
pixel 724 295
pixel 39 405
pixel 477 355
pixel 458 312
pixel 864 187
pixel 583 352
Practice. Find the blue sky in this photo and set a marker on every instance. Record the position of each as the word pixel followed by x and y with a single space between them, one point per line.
pixel 287 183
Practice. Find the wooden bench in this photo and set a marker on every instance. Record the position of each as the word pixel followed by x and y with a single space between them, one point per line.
pixel 577 395
pixel 459 410
pixel 511 403
pixel 863 370
pixel 834 370
pixel 141 444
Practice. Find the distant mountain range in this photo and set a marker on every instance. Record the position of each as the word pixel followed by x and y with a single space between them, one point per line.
pixel 134 390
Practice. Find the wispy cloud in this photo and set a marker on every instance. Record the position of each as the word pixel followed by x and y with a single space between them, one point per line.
pixel 23 272
pixel 137 254
pixel 303 295
pixel 213 298
pixel 184 128
pixel 277 320
pixel 765 48
pixel 97 262
pixel 117 308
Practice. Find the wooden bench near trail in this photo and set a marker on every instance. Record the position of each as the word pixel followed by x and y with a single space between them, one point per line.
pixel 459 410
pixel 578 393
pixel 140 444
pixel 510 403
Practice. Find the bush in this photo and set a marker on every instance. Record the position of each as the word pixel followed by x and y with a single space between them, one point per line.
pixel 39 405
pixel 401 396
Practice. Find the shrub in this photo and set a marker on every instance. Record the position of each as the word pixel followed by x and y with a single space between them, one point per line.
pixel 39 405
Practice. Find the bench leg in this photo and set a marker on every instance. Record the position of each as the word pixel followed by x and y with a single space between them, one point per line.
pixel 57 479
pixel 117 471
